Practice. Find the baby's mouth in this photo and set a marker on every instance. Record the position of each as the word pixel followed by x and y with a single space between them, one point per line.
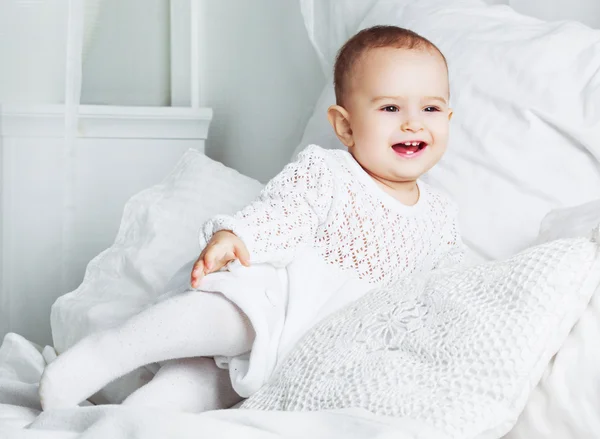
pixel 407 149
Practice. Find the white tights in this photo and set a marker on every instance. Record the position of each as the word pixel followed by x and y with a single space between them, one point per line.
pixel 189 385
pixel 185 326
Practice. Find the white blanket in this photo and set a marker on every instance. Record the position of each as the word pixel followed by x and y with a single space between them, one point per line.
pixel 481 337
pixel 458 349
pixel 21 365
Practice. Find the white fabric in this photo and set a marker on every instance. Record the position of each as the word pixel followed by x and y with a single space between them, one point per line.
pixel 570 222
pixel 121 422
pixel 191 385
pixel 313 219
pixel 327 202
pixel 565 402
pixel 17 356
pixel 157 235
pixel 404 240
pixel 457 349
pixel 585 11
pixel 184 325
pixel 21 365
pixel 329 23
pixel 282 305
pixel 524 133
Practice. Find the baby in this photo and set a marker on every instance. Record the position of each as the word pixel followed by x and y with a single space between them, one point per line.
pixel 330 227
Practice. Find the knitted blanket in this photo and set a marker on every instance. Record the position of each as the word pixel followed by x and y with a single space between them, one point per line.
pixel 458 349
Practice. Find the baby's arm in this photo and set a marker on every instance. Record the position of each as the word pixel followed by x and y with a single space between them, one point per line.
pixel 287 212
pixel 452 249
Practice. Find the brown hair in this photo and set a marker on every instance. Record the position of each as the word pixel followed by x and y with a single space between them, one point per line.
pixel 373 38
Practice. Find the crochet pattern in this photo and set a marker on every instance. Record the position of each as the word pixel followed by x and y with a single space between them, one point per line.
pixel 459 349
pixel 327 201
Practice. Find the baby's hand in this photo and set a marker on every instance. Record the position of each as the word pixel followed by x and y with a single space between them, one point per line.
pixel 223 248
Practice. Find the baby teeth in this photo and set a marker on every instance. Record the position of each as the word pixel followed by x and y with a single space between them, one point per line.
pixel 412 143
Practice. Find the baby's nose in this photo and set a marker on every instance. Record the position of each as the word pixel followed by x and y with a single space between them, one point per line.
pixel 412 125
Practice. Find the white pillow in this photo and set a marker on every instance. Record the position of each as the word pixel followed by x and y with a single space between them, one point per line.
pixel 331 22
pixel 586 11
pixel 458 349
pixel 565 402
pixel 158 234
pixel 570 222
pixel 526 96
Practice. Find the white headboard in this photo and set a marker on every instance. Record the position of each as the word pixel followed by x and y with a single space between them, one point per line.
pixel 66 172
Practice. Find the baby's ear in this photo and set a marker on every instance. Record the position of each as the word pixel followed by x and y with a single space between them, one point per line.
pixel 340 121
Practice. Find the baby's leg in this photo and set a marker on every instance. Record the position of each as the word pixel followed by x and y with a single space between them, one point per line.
pixel 192 324
pixel 191 384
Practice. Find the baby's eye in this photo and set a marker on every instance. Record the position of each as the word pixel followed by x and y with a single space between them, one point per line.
pixel 391 108
pixel 431 109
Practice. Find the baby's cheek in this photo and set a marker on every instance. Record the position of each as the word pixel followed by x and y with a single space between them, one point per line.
pixel 441 133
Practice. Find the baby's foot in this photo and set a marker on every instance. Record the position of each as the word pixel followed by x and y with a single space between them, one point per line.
pixel 75 376
pixel 51 390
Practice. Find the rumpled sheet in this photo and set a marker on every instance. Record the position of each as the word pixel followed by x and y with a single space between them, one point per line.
pixel 21 366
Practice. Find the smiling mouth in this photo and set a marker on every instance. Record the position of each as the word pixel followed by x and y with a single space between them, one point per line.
pixel 408 149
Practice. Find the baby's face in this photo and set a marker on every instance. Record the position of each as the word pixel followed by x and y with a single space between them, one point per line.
pixel 397 103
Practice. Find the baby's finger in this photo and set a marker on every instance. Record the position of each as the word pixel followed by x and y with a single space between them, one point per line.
pixel 210 260
pixel 199 267
pixel 197 273
pixel 241 252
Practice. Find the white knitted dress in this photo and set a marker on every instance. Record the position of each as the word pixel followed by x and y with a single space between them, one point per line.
pixel 320 235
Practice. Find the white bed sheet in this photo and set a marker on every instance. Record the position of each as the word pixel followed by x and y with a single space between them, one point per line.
pixel 21 365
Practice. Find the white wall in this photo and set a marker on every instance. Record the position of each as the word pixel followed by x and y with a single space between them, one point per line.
pixel 31 39
pixel 262 79
pixel 127 62
pixel 260 73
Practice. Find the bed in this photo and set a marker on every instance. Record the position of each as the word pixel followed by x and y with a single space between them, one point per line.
pixel 523 165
